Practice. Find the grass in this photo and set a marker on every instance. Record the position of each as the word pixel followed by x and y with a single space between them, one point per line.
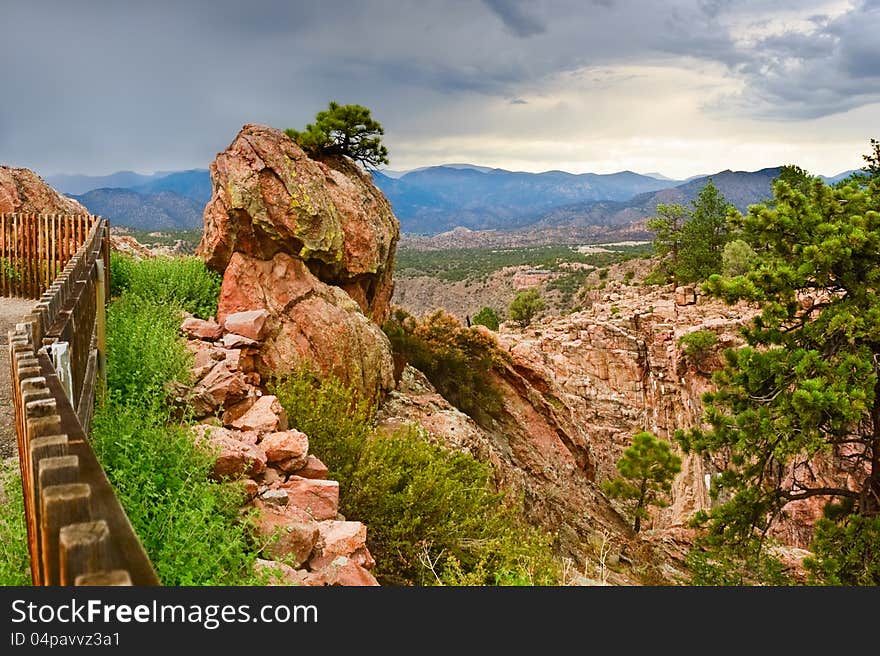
pixel 182 283
pixel 14 559
pixel 189 524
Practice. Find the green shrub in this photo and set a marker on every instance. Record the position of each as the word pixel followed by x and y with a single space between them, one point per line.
pixel 568 283
pixel 717 565
pixel 524 306
pixel 423 502
pixel 337 424
pixel 846 550
pixel 487 317
pixel 737 258
pixel 190 525
pixel 15 566
pixel 9 271
pixel 659 276
pixel 183 282
pixel 456 360
pixel 432 514
pixel 698 345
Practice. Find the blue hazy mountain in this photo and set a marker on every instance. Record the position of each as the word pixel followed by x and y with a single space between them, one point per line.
pixel 194 184
pixel 435 199
pixel 171 200
pixel 740 188
pixel 438 198
pixel 76 183
pixel 161 210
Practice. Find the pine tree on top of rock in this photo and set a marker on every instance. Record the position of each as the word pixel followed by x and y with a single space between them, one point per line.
pixel 347 130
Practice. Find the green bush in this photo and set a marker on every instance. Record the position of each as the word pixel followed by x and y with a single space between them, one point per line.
pixel 432 514
pixel 189 524
pixel 524 306
pixel 487 317
pixel 659 276
pixel 423 502
pixel 458 361
pixel 846 550
pixel 121 267
pixel 568 283
pixel 737 258
pixel 183 282
pixel 698 345
pixel 337 424
pixel 15 568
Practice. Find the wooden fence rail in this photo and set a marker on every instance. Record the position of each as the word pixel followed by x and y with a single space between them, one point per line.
pixel 78 533
pixel 34 248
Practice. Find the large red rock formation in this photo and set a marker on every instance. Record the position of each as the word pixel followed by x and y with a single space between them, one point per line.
pixel 312 242
pixel 22 190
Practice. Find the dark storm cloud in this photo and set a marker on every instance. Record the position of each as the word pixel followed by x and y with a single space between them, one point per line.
pixel 514 14
pixel 835 67
pixel 96 85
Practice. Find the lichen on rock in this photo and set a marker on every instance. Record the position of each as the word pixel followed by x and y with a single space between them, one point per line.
pixel 312 242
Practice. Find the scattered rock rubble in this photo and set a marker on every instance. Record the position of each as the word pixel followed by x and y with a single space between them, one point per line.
pixel 297 508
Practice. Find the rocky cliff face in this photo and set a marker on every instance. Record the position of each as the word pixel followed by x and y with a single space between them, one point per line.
pixel 22 190
pixel 621 370
pixel 575 391
pixel 313 244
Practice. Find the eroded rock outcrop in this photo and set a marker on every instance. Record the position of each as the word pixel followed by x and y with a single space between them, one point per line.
pixel 22 190
pixel 575 390
pixel 622 370
pixel 312 242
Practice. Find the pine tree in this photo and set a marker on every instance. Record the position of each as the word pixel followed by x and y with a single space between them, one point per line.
pixel 690 243
pixel 807 384
pixel 703 237
pixel 347 130
pixel 525 305
pixel 487 317
pixel 647 469
pixel 666 227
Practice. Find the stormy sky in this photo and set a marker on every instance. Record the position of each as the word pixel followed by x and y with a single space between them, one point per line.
pixel 680 87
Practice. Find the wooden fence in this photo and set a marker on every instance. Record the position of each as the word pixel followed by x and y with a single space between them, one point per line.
pixel 34 249
pixel 78 533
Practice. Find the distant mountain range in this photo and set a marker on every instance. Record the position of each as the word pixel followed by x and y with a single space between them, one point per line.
pixel 162 210
pixel 436 199
pixel 170 200
pixel 439 198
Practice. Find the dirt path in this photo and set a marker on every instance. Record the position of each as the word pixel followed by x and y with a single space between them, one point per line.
pixel 12 310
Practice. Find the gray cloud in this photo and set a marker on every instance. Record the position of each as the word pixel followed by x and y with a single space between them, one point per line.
pixel 515 17
pixel 803 75
pixel 167 84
